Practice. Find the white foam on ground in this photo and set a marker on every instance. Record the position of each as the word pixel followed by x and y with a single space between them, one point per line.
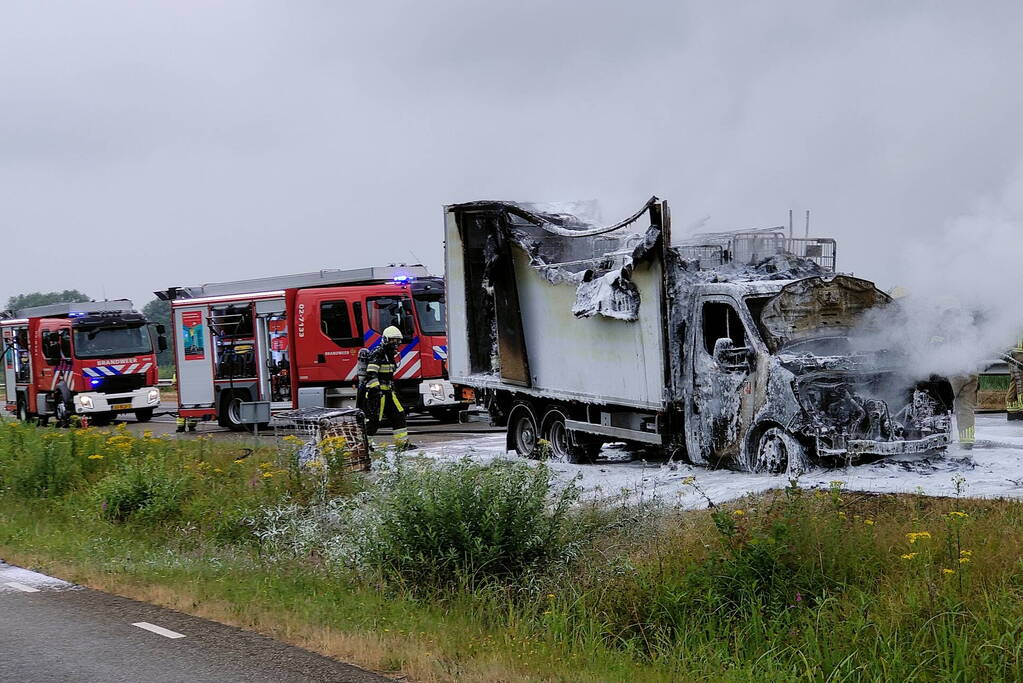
pixel 993 469
pixel 9 574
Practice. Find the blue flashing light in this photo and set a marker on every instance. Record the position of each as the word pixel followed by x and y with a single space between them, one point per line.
pixel 95 382
pixel 402 279
pixel 76 314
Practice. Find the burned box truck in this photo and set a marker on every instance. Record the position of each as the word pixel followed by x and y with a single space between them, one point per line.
pixel 729 350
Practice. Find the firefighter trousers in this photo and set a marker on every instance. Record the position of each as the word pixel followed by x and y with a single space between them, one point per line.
pixel 964 387
pixel 1013 399
pixel 387 407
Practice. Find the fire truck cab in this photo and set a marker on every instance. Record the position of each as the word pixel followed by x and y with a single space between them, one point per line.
pixel 294 341
pixel 94 359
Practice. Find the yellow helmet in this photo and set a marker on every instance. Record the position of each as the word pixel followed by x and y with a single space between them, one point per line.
pixel 392 333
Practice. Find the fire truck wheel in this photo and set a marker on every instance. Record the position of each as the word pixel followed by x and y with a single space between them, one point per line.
pixel 101 419
pixel 144 415
pixel 229 414
pixel 445 415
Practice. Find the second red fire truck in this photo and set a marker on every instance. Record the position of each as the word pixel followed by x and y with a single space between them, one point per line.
pixel 94 359
pixel 294 341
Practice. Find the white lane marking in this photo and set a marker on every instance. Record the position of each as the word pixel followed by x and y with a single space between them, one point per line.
pixel 166 633
pixel 21 587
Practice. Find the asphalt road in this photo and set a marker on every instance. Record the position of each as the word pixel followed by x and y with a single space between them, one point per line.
pixel 53 631
pixel 423 429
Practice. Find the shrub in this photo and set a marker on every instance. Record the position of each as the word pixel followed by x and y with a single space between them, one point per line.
pixel 467 522
pixel 141 489
pixel 38 463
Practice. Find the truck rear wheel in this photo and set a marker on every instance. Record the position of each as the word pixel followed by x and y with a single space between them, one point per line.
pixel 143 414
pixel 523 431
pixel 562 448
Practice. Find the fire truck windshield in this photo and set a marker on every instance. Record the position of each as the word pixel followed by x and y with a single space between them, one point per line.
pixel 110 342
pixel 431 314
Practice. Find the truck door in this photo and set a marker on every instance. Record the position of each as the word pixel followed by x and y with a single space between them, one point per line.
pixel 10 358
pixel 720 369
pixel 329 335
pixel 273 353
pixel 193 356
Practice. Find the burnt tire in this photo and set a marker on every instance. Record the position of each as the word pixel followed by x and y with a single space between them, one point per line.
pixel 561 447
pixel 776 451
pixel 143 414
pixel 522 428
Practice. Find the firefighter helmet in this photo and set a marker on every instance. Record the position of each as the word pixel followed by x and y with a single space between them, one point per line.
pixel 392 334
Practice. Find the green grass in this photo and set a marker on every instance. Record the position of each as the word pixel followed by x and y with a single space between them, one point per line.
pixel 393 573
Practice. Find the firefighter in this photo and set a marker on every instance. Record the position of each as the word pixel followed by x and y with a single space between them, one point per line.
pixel 1014 397
pixel 381 398
pixel 181 423
pixel 964 389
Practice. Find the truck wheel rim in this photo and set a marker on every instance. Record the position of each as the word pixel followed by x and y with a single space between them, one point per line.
pixel 558 436
pixel 525 435
pixel 771 453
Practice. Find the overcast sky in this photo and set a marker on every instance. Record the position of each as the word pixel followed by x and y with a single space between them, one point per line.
pixel 148 144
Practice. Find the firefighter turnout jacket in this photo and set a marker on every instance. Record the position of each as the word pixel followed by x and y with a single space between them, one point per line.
pixel 382 401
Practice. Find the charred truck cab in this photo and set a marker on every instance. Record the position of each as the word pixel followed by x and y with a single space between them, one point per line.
pixel 94 359
pixel 731 350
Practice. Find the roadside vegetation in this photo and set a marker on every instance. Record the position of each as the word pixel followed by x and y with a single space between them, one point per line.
pixel 469 571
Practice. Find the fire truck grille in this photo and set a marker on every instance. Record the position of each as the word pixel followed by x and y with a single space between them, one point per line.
pixel 121 383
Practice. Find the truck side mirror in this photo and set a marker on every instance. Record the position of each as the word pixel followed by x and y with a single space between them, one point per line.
pixel 161 342
pixel 722 347
pixel 730 357
pixel 160 329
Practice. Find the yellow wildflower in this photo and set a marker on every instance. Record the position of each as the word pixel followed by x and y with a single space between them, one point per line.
pixel 95 456
pixel 550 596
pixel 868 522
pixel 738 513
pixel 908 556
pixel 957 514
pixel 291 438
pixel 239 461
pixel 948 571
pixel 267 475
pixel 689 481
pixel 264 465
pixel 147 434
pixel 917 535
pixel 964 560
pixel 217 469
pixel 966 553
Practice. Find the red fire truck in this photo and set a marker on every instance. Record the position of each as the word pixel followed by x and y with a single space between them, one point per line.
pixel 294 341
pixel 95 359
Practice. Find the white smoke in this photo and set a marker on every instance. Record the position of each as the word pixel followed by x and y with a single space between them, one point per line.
pixel 962 305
